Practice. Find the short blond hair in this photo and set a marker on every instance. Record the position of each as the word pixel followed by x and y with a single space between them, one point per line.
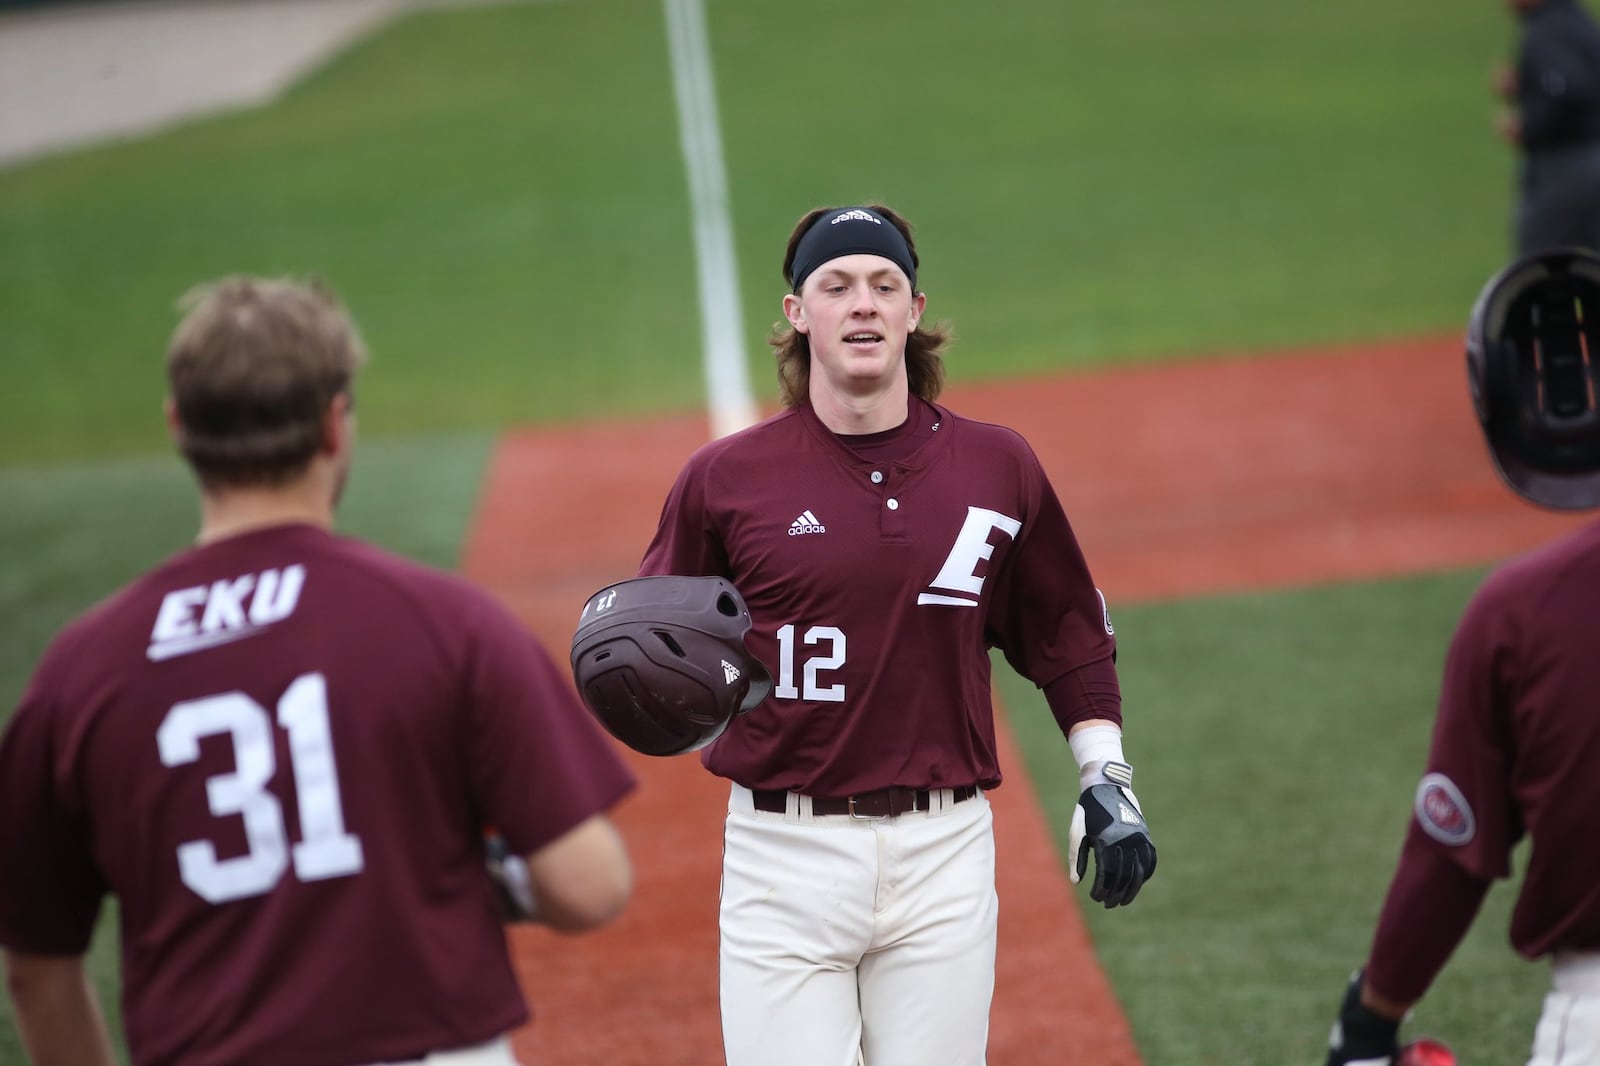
pixel 253 368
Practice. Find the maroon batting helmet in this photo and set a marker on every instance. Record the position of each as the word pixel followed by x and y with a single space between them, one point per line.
pixel 661 661
pixel 1532 349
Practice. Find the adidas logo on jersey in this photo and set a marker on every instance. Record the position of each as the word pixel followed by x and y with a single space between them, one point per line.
pixel 730 672
pixel 806 523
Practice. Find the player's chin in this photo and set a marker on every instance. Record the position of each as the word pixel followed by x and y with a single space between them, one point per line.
pixel 869 361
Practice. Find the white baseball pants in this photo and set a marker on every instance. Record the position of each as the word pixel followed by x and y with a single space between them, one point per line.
pixel 849 940
pixel 1568 1033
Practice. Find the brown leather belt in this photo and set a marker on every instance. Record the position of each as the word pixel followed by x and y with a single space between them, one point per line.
pixel 880 803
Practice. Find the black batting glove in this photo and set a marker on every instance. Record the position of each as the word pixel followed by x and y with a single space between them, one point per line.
pixel 1361 1037
pixel 1108 822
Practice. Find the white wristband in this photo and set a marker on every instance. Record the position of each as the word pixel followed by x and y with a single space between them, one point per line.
pixel 1093 748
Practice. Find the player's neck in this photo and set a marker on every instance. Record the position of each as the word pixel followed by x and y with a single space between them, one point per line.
pixel 229 512
pixel 858 413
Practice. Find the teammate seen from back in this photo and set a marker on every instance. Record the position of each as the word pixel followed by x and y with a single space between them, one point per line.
pixel 1516 742
pixel 280 748
pixel 884 544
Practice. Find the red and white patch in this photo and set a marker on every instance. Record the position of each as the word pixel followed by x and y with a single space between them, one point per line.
pixel 1443 812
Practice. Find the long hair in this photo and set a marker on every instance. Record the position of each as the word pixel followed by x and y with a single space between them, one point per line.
pixel 924 347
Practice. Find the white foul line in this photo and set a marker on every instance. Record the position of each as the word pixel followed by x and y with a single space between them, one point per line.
pixel 732 406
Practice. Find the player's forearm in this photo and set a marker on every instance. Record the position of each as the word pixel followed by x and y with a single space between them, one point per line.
pixel 56 1011
pixel 1431 904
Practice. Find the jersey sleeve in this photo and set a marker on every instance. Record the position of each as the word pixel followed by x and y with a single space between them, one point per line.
pixel 50 887
pixel 1429 907
pixel 1046 615
pixel 540 765
pixel 1463 822
pixel 1092 691
pixel 686 540
pixel 1463 805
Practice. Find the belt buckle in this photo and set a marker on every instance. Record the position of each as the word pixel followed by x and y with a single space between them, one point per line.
pixel 850 808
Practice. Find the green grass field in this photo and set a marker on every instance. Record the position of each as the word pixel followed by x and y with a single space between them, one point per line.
pixel 499 195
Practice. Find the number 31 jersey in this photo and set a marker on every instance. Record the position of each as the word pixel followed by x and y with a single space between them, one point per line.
pixel 280 751
pixel 876 586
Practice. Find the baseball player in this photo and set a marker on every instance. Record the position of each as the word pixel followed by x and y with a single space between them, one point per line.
pixel 1516 741
pixel 884 544
pixel 280 749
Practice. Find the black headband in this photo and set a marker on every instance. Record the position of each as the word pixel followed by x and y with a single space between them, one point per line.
pixel 850 231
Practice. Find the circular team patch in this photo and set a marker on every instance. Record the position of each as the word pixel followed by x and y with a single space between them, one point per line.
pixel 1442 811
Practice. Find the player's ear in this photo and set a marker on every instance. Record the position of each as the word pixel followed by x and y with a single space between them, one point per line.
pixel 338 425
pixel 795 312
pixel 919 303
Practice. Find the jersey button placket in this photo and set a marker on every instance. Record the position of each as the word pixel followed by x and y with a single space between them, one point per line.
pixel 891 521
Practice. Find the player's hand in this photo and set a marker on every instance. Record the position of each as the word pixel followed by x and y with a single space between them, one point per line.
pixel 1108 821
pixel 512 885
pixel 1360 1036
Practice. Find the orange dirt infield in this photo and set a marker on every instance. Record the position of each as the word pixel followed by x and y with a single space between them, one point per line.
pixel 1207 476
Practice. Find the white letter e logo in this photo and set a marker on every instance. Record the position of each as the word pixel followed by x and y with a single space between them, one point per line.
pixel 959 573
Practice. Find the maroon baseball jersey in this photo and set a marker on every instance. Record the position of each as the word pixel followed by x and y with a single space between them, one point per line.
pixel 1516 749
pixel 279 751
pixel 877 578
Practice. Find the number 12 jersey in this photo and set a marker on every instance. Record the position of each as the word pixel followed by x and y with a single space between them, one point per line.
pixel 879 571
